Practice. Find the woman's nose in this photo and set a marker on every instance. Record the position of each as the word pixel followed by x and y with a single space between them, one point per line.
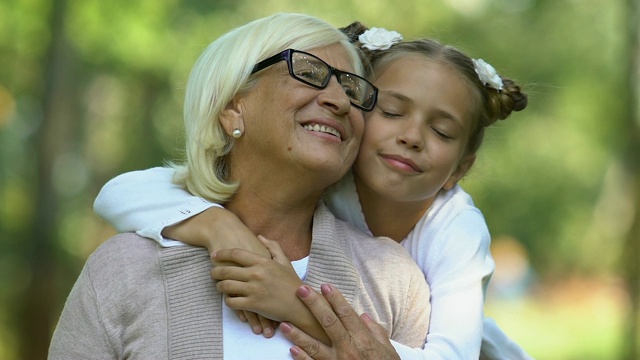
pixel 334 97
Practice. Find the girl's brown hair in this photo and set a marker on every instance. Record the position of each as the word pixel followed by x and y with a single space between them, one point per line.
pixel 492 104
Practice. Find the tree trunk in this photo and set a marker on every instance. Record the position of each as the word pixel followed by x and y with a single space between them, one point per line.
pixel 54 137
pixel 632 167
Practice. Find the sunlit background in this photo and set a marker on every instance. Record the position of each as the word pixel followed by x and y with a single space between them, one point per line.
pixel 93 88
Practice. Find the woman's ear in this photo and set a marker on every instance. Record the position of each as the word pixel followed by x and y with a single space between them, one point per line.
pixel 463 168
pixel 232 117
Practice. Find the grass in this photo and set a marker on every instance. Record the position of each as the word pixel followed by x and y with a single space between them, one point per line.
pixel 574 319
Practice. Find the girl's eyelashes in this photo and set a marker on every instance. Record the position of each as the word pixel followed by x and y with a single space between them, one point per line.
pixel 390 114
pixel 441 133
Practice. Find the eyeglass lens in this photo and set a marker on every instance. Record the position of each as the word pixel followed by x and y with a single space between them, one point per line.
pixel 310 69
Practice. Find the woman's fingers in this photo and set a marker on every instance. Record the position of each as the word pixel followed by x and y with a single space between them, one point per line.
pixel 352 336
pixel 306 347
pixel 378 332
pixel 359 327
pixel 336 316
pixel 298 353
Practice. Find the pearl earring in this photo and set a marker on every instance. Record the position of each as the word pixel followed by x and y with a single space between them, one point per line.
pixel 236 133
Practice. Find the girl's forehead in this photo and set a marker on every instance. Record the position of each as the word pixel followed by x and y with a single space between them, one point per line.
pixel 412 60
pixel 410 68
pixel 416 68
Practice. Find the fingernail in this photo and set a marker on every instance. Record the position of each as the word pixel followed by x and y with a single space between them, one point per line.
pixel 257 330
pixel 366 316
pixel 294 351
pixel 303 291
pixel 267 332
pixel 285 327
pixel 213 254
pixel 325 288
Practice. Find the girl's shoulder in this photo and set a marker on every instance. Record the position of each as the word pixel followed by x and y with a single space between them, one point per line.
pixel 452 220
pixel 451 207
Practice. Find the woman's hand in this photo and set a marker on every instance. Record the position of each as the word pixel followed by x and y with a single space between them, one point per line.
pixel 353 336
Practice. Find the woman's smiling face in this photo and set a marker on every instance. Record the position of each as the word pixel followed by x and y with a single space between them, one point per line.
pixel 290 125
pixel 414 140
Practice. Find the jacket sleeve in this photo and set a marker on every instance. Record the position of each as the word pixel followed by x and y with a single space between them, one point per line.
pixel 146 202
pixel 80 333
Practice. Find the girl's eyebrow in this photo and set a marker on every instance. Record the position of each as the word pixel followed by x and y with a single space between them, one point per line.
pixel 393 94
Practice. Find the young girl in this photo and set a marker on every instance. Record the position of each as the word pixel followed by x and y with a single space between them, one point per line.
pixel 433 106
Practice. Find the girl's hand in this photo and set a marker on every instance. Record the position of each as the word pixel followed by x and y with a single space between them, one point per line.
pixel 353 336
pixel 261 285
pixel 217 228
pixel 266 287
pixel 260 324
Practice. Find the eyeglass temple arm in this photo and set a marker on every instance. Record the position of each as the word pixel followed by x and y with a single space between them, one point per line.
pixel 269 61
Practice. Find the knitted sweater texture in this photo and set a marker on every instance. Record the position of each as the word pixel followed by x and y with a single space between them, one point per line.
pixel 135 299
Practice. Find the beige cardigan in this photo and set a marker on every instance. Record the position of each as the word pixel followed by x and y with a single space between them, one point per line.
pixel 135 299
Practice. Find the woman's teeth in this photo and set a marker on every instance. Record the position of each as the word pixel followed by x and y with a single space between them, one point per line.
pixel 322 128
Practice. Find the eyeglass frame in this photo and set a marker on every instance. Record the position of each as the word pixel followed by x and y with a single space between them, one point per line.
pixel 287 56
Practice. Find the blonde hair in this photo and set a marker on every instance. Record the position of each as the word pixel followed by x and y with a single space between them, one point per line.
pixel 224 70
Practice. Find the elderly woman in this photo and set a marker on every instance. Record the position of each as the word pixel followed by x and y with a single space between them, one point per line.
pixel 273 117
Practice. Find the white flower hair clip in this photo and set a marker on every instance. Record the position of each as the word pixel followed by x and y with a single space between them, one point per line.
pixel 487 74
pixel 379 38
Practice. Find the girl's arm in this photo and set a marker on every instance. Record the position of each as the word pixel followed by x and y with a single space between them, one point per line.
pixel 149 203
pixel 453 253
pixel 452 249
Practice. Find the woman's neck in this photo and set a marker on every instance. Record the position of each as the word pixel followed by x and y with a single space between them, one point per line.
pixel 388 217
pixel 285 220
pixel 277 201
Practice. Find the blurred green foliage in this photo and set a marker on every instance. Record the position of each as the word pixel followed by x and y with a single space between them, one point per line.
pixel 92 88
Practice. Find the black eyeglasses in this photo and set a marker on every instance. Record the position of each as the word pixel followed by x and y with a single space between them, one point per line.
pixel 314 72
